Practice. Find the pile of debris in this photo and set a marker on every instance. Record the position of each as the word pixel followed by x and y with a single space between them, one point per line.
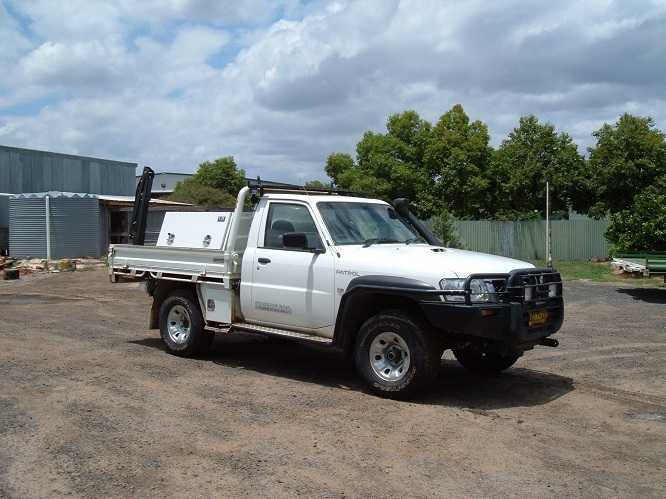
pixel 7 271
pixel 12 268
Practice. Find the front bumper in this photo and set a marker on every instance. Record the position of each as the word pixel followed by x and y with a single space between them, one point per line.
pixel 506 323
pixel 507 320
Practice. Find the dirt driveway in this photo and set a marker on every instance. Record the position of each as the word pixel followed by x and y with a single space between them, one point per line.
pixel 92 406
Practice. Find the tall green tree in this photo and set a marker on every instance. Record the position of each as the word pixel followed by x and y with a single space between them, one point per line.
pixel 628 157
pixel 388 165
pixel 533 153
pixel 214 185
pixel 457 159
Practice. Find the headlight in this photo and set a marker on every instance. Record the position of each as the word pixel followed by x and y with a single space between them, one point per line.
pixel 453 285
pixel 480 291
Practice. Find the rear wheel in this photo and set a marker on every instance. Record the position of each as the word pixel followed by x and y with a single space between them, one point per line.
pixel 182 325
pixel 396 354
pixel 485 362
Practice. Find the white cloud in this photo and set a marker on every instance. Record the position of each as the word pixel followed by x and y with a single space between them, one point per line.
pixel 221 12
pixel 136 81
pixel 74 64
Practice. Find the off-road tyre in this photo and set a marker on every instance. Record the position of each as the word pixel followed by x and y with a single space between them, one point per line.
pixel 482 362
pixel 183 303
pixel 424 353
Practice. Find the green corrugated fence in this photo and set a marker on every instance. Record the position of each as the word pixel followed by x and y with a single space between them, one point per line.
pixel 580 238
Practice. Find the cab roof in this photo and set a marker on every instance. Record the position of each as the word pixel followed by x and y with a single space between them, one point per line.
pixel 316 198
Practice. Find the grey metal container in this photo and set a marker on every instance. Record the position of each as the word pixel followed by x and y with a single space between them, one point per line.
pixel 74 225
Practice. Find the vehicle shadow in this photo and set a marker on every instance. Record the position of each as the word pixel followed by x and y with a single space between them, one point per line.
pixel 648 295
pixel 456 387
pixel 516 387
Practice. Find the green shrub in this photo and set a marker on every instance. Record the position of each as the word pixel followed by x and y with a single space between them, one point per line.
pixel 444 229
pixel 642 227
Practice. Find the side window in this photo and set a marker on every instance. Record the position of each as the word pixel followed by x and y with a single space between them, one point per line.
pixel 283 218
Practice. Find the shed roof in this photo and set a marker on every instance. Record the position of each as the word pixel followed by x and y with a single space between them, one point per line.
pixel 71 156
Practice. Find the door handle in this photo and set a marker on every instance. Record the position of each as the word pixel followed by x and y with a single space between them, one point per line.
pixel 264 260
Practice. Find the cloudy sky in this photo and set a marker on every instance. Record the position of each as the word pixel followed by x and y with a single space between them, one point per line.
pixel 281 84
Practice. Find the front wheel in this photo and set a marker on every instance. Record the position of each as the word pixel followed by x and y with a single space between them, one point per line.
pixel 396 354
pixel 485 362
pixel 182 325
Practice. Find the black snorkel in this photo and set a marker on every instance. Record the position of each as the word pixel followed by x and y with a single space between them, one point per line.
pixel 401 205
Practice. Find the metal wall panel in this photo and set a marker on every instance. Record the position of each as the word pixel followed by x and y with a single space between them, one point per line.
pixel 27 228
pixel 25 170
pixel 74 227
pixel 581 238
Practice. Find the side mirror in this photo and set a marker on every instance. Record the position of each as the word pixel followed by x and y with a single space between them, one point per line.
pixel 401 205
pixel 298 240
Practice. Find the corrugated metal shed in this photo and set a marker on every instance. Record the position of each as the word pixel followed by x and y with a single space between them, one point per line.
pixel 27 170
pixel 74 222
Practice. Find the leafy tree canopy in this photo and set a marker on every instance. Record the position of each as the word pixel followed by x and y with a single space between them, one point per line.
pixel 628 157
pixel 435 168
pixel 193 192
pixel 388 165
pixel 457 158
pixel 533 153
pixel 221 174
pixel 214 185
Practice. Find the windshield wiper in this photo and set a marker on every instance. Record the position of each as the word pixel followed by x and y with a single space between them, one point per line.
pixel 376 240
pixel 413 240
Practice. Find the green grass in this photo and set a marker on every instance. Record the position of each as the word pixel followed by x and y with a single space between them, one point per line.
pixel 599 272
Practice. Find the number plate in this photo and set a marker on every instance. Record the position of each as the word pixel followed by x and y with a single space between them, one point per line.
pixel 538 318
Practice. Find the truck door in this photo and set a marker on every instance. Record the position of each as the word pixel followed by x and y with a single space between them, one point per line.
pixel 291 287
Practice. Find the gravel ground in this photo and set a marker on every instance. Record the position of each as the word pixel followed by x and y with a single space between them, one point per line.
pixel 91 405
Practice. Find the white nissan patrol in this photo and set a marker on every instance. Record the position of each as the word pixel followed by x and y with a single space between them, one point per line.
pixel 359 275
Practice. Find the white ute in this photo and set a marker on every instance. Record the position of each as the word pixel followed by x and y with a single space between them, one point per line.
pixel 360 275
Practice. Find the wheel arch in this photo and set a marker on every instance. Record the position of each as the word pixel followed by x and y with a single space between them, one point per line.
pixel 366 296
pixel 161 290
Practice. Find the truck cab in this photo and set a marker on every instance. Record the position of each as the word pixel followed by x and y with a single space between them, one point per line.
pixel 358 275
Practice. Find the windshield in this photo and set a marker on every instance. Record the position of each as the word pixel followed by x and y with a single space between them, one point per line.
pixel 365 223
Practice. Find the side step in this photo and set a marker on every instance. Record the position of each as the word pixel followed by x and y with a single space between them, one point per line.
pixel 272 331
